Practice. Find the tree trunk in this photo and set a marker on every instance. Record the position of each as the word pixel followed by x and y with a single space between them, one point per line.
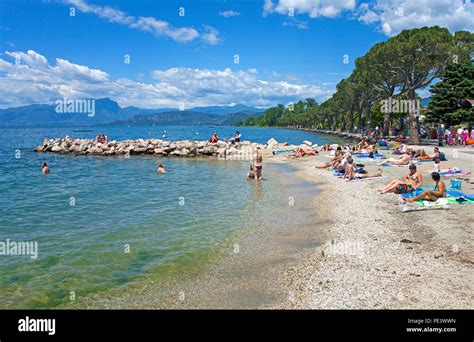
pixel 344 124
pixel 368 128
pixel 359 120
pixel 386 124
pixel 351 119
pixel 414 136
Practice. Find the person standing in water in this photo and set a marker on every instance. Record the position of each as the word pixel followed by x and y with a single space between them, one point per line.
pixel 256 167
pixel 44 168
pixel 160 169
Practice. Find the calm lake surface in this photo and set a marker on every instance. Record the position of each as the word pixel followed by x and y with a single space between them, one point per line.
pixel 104 225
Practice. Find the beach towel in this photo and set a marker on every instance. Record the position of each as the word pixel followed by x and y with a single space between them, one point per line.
pixel 462 173
pixel 283 151
pixel 444 171
pixel 368 178
pixel 449 193
pixel 408 207
pixel 442 167
pixel 367 155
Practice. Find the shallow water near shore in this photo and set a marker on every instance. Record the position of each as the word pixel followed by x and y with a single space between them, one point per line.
pixel 106 227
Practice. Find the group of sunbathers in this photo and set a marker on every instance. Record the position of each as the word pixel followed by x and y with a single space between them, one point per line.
pixel 343 164
pixel 414 181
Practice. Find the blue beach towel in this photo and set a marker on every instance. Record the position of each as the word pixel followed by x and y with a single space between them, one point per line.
pixel 449 193
pixel 283 151
pixel 366 155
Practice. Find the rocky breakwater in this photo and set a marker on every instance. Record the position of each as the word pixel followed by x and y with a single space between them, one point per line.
pixel 158 147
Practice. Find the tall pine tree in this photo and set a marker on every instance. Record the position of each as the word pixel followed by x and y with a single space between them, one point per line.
pixel 449 102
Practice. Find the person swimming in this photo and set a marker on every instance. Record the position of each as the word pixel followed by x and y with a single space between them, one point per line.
pixel 160 169
pixel 431 195
pixel 44 168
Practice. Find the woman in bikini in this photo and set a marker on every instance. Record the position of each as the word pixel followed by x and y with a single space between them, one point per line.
pixel 412 181
pixel 256 168
pixel 431 195
pixel 403 160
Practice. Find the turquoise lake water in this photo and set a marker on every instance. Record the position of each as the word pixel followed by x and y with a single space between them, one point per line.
pixel 90 210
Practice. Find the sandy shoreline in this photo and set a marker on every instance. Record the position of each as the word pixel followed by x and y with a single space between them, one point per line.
pixel 366 265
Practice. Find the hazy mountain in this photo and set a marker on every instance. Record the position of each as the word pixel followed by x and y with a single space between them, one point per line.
pixel 108 111
pixel 223 110
pixel 186 118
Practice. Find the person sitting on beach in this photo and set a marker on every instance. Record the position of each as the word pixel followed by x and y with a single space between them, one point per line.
pixel 362 144
pixel 160 169
pixel 256 167
pixel 44 168
pixel 409 183
pixel 421 154
pixel 101 139
pixel 235 139
pixel 399 149
pixel 431 195
pixel 325 147
pixel 403 160
pixel 334 161
pixel 214 138
pixel 350 173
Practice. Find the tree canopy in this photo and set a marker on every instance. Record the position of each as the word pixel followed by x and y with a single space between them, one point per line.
pixel 394 69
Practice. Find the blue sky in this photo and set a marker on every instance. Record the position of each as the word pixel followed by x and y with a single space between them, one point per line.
pixel 287 50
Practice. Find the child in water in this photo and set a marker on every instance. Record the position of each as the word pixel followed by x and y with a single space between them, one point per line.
pixel 44 168
pixel 160 169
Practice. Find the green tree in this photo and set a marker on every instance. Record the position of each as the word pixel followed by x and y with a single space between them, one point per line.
pixel 421 55
pixel 449 100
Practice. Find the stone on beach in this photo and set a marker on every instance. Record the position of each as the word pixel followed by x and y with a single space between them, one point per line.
pixel 157 147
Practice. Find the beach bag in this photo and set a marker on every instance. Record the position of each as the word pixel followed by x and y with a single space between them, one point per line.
pixel 401 189
pixel 456 184
pixel 442 156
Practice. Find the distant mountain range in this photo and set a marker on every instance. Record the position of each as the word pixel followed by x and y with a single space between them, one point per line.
pixel 106 111
pixel 187 117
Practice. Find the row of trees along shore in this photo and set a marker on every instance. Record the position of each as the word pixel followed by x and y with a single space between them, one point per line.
pixel 394 69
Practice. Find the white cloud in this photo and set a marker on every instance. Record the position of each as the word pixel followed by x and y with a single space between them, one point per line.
pixel 159 28
pixel 210 35
pixel 32 79
pixel 313 8
pixel 391 16
pixel 230 13
pixel 394 16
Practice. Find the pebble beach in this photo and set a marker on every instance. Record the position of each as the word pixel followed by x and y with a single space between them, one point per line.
pixel 379 257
